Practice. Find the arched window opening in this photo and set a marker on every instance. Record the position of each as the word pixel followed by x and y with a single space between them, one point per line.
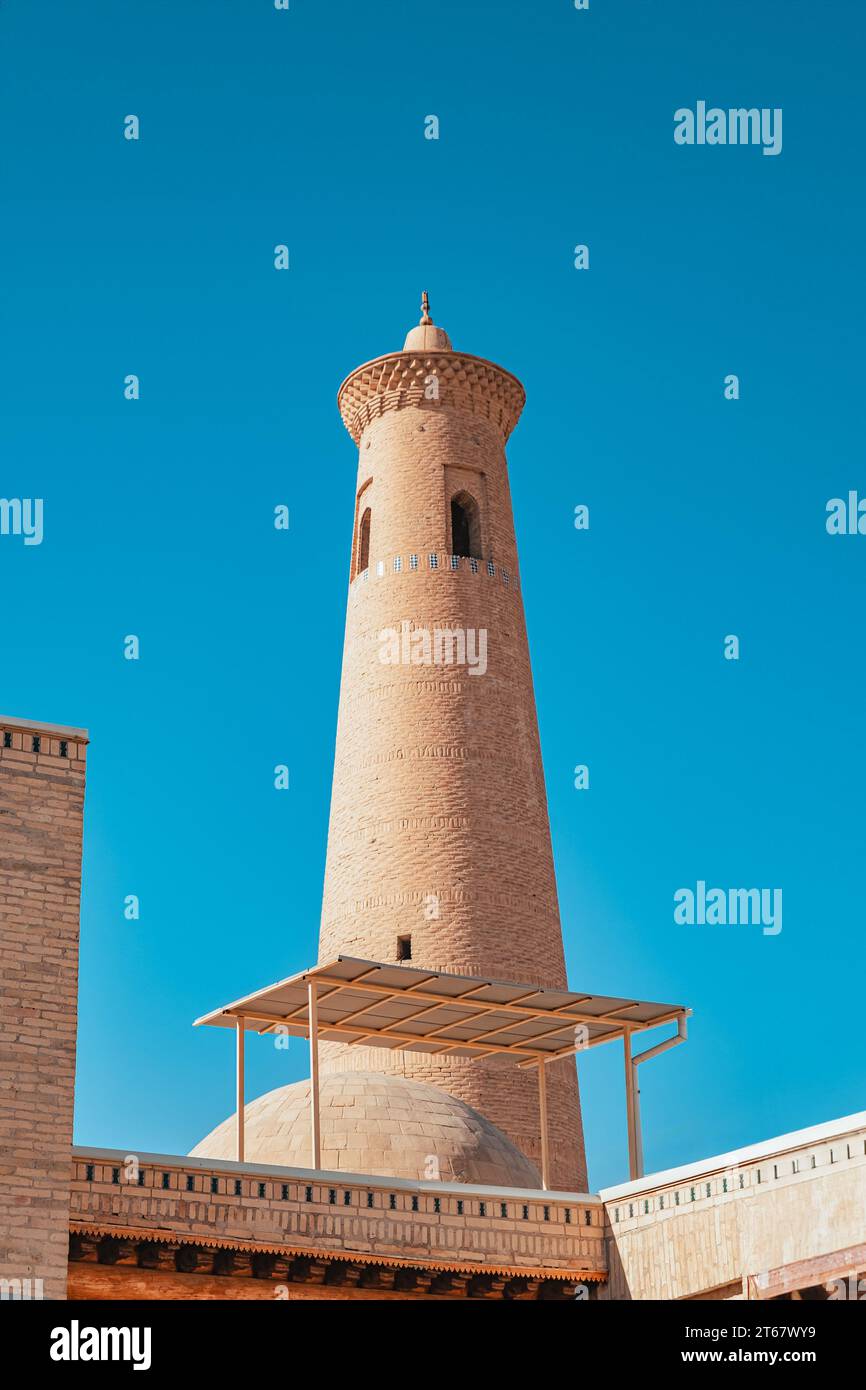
pixel 363 543
pixel 465 528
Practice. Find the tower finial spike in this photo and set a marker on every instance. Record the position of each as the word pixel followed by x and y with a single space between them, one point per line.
pixel 425 308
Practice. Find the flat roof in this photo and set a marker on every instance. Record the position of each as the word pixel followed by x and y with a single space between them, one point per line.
pixel 797 1139
pixel 61 730
pixel 411 1009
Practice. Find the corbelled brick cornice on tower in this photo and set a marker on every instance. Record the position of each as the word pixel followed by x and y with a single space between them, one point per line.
pixel 469 384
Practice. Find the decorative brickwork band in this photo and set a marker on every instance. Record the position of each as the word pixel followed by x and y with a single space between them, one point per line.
pixel 442 564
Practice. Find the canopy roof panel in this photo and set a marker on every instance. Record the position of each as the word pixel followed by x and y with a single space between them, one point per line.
pixel 414 1010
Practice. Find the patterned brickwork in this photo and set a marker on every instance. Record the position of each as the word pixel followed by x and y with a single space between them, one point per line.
pixel 468 384
pixel 279 1208
pixel 41 807
pixel 439 829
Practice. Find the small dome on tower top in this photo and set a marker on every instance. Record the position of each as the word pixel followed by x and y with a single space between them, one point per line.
pixel 427 337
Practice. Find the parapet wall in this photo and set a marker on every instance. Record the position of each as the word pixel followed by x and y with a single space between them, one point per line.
pixel 761 1222
pixel 135 1201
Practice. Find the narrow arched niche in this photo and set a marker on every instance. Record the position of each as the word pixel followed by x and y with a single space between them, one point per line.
pixel 363 560
pixel 465 526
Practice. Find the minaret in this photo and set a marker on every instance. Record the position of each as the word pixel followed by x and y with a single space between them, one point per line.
pixel 439 843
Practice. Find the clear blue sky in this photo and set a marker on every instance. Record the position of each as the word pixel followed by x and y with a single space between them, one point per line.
pixel 707 516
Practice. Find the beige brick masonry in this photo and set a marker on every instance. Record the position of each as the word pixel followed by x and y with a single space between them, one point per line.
pixel 42 772
pixel 439 829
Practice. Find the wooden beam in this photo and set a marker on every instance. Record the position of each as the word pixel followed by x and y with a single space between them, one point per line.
pixel 431 1009
pixel 847 1265
pixel 395 1036
pixel 568 1013
pixel 359 1035
pixel 584 1047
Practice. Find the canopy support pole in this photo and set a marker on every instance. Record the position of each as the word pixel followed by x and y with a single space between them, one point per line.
pixel 239 1068
pixel 681 1036
pixel 315 1118
pixel 630 1111
pixel 542 1112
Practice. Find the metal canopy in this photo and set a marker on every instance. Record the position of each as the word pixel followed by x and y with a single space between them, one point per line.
pixel 414 1010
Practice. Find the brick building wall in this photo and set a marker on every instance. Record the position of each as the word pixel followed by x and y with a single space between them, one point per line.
pixel 161 1226
pixel 42 773
pixel 439 830
pixel 206 1199
pixel 784 1214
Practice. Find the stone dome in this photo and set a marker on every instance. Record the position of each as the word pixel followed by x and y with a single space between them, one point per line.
pixel 427 338
pixel 372 1123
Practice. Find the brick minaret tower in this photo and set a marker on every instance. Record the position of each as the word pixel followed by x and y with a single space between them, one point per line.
pixel 439 844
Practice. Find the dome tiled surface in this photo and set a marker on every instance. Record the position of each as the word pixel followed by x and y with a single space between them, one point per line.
pixel 371 1123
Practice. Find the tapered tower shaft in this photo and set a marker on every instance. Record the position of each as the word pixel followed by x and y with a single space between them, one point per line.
pixel 439 845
